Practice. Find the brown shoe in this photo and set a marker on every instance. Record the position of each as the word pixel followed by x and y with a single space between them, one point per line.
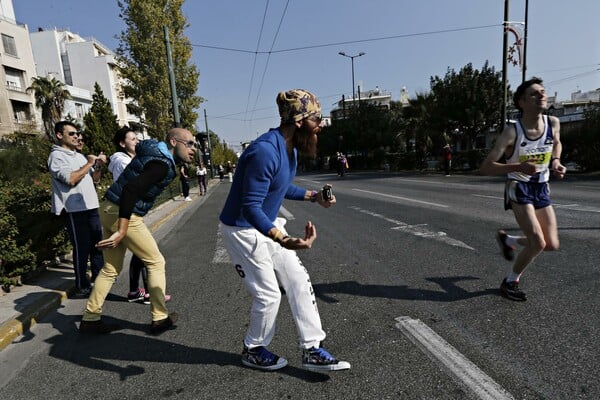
pixel 160 326
pixel 97 327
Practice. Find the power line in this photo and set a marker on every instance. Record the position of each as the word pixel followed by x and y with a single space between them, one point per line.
pixel 271 51
pixel 262 79
pixel 256 54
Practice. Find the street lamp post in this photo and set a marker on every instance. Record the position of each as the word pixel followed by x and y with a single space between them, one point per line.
pixel 341 53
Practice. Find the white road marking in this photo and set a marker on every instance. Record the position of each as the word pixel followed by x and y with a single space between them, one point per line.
pixel 286 214
pixel 458 366
pixel 403 198
pixel 221 256
pixel 489 197
pixel 577 207
pixel 574 207
pixel 416 230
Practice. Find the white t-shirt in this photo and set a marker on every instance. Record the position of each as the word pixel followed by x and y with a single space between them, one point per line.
pixel 118 162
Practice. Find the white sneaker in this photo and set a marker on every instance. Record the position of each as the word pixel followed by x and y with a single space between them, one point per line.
pixel 188 199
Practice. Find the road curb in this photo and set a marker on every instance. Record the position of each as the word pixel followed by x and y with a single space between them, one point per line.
pixel 51 301
pixel 47 303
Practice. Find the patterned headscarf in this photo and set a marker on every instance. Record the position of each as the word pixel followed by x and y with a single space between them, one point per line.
pixel 297 104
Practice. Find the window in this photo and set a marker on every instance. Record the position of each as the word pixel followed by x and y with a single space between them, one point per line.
pixel 9 45
pixel 14 79
pixel 79 110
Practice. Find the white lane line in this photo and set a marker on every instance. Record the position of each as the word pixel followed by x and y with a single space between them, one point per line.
pixel 489 197
pixel 286 214
pixel 574 207
pixel 458 366
pixel 416 230
pixel 221 256
pixel 577 207
pixel 403 198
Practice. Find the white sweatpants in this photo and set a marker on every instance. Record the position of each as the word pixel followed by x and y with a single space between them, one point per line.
pixel 264 265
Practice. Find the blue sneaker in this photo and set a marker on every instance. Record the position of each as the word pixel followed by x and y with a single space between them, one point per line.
pixel 319 359
pixel 261 358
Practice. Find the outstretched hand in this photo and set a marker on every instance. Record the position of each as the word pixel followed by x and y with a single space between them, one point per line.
pixel 111 242
pixel 310 234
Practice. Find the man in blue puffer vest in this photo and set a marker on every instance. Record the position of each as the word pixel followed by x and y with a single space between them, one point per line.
pixel 126 202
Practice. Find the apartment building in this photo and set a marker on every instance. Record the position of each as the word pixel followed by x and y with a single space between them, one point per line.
pixel 17 68
pixel 81 63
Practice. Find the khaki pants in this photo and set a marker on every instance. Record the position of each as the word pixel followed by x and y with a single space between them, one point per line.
pixel 140 242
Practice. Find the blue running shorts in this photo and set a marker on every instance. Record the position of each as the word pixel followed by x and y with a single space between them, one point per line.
pixel 535 193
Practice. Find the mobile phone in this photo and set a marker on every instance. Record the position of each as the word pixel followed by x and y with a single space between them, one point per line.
pixel 326 193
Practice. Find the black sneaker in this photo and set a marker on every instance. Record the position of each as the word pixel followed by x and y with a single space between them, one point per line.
pixel 319 359
pixel 261 358
pixel 511 291
pixel 97 327
pixel 160 326
pixel 507 251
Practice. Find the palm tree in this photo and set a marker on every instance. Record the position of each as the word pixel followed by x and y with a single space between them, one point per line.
pixel 50 96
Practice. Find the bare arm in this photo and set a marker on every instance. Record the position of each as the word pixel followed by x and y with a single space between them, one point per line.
pixel 78 175
pixel 491 166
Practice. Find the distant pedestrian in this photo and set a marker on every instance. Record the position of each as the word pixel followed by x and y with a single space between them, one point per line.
pixel 126 202
pixel 221 172
pixel 185 183
pixel 447 159
pixel 201 175
pixel 229 170
pixel 532 148
pixel 74 197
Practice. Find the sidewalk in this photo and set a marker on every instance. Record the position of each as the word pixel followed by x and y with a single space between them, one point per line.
pixel 25 305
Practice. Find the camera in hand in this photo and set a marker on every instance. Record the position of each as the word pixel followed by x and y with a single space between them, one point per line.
pixel 326 193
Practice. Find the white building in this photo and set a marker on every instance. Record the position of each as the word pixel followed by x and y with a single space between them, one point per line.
pixel 80 63
pixel 17 68
pixel 375 97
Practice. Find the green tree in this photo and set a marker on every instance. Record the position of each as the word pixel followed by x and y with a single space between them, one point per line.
pixel 50 96
pixel 417 127
pixel 468 102
pixel 142 55
pixel 100 124
pixel 582 144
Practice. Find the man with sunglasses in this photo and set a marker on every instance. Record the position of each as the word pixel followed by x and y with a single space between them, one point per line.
pixel 74 196
pixel 126 202
pixel 263 253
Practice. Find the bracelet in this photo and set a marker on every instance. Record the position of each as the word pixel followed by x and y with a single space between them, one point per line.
pixel 276 235
pixel 313 196
pixel 554 158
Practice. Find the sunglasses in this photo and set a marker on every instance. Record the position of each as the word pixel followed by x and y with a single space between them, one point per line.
pixel 317 118
pixel 74 133
pixel 187 143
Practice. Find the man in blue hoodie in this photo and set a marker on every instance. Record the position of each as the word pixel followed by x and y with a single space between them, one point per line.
pixel 127 201
pixel 263 253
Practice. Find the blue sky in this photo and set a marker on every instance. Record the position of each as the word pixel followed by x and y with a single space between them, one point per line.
pixel 406 43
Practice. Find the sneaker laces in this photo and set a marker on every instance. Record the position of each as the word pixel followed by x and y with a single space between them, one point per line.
pixel 264 355
pixel 322 354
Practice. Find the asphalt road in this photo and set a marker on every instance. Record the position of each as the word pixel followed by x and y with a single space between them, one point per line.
pixel 397 251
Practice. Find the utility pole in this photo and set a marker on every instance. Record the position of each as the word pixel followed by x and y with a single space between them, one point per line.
pixel 212 175
pixel 524 78
pixel 504 66
pixel 341 53
pixel 174 100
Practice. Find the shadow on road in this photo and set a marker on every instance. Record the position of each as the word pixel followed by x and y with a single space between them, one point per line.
pixel 450 291
pixel 106 352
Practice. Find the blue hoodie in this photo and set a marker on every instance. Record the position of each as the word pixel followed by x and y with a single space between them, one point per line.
pixel 263 178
